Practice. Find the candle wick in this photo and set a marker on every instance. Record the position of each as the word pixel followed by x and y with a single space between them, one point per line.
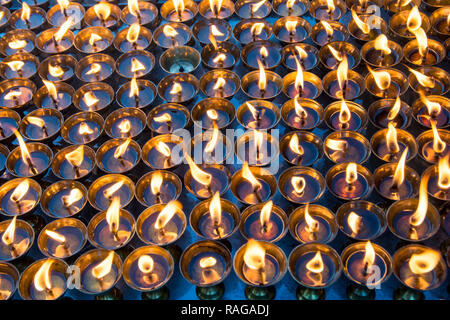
pixel 2 132
pixel 179 96
pixel 19 206
pixel 27 23
pixel 44 130
pixel 158 197
pixel 262 276
pixel 12 249
pixel 173 40
pixel 218 231
pixel 167 162
pixel 66 205
pixel 258 197
pixel 364 271
pixel 221 92
pixel 344 88
pixel 263 92
pixel 55 43
pixel 289 11
pixel 169 126
pixel 31 165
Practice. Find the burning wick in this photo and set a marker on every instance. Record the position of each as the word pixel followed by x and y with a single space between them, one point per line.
pixel 330 8
pixel 255 113
pixel 25 14
pixel 264 217
pixel 145 265
pixel 369 258
pixel 170 32
pixel 418 217
pixel 399 174
pixel 155 185
pixel 9 235
pixel 38 122
pixel 113 220
pixel 300 112
pixel 167 118
pixel 299 184
pixel 60 238
pixel 133 7
pixel 74 196
pixel 294 145
pixel 199 175
pixel 164 149
pixel 254 258
pixel 351 175
pixel 18 194
pixel 176 90
pixel 120 151
pixel 42 278
pixel 165 216
pixel 247 174
pixel 102 269
pixel 312 225
pixel 26 157
pixel 215 210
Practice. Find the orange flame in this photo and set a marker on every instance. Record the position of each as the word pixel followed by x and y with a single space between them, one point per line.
pixel 133 7
pixel 42 279
pixel 145 264
pixel 336 144
pixel 299 110
pixel 165 117
pixel 219 58
pixel 215 4
pixel 215 209
pixel 122 148
pixel 55 236
pixel 211 145
pixel 422 41
pixel 381 43
pixel 255 6
pixel 17 44
pixel 444 172
pixel 113 215
pixel 330 5
pixel 219 83
pixel 74 196
pixel 424 80
pixel 134 88
pixel 315 264
pixel 418 217
pixel 26 11
pixel 215 32
pixel 312 224
pixel 94 38
pixel 55 71
pixel 207 262
pixel 85 129
pixel 255 254
pixel 248 175
pixel 399 174
pixel 391 139
pixel 163 148
pixel 102 10
pixel 20 191
pixel 328 28
pixel 336 54
pixel 167 213
pixel 414 20
pixel 51 88
pixel 9 234
pixel 176 88
pixel 94 68
pixel 63 29
pixel 294 145
pixel 156 182
pixel 438 144
pixel 257 28
pixel 351 173
pixel 108 192
pixel 75 157
pixel 199 175
pixel 36 121
pixel 263 52
pixel 25 154
pixel 364 27
pixel 15 65
pixel 133 32
pixel 13 94
pixel 262 81
pixel 369 255
pixel 291 25
pixel 179 6
pixel 136 65
pixel 432 107
pixel 299 184
pixel 169 31
pixel 266 212
pixel 354 222
pixel 424 262
pixel 382 78
pixel 103 268
pixel 124 126
pixel 342 74
pixel 63 5
pixel 212 114
pixel 344 113
pixel 395 109
pixel 252 110
pixel 298 76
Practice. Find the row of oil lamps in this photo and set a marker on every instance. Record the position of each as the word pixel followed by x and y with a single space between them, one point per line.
pixel 207 263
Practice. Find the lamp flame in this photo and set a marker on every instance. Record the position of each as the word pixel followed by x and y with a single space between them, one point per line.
pixel 176 88
pixel 102 10
pixel 422 41
pixel 354 222
pixel 113 215
pixel 165 117
pixel 122 148
pixel 299 110
pixel 382 43
pixel 369 255
pixel 248 175
pixel 94 38
pixel 85 129
pixel 294 145
pixel 36 121
pixel 90 99
pixel 9 234
pixel 15 65
pixel 212 114
pixel 104 267
pixel 26 11
pixel 342 74
pixel 315 264
pixel 266 212
pixel 134 88
pixel 215 5
pixel 330 5
pixel 169 31
pixel 382 78
pixel 444 172
pixel 414 20
pixel 133 7
pixel 391 139
pixel 262 81
pixel 298 76
pixel 20 191
pixel 255 6
pixel 336 144
pixel 167 214
pixel 328 28
pixel 145 264
pixel 299 184
pixel 336 54
pixel 219 83
pixel 178 5
pixel 17 44
pixel 438 144
pixel 51 88
pixel 351 173
pixel 211 145
pixel 395 109
pixel 423 80
pixel 291 25
pixel 311 223
pixel 25 154
pixel 163 148
pixel 94 69
pixel 424 262
pixel 42 279
pixel 207 262
pixel 55 236
pixel 133 32
pixel 156 182
pixel 215 209
pixel 63 29
pixel 399 174
pixel 255 254
pixel 124 126
pixel 136 65
pixel 216 32
pixel 108 192
pixel 199 175
pixel 433 108
pixel 55 71
pixel 344 113
pixel 75 195
pixel 75 157
pixel 418 217
pixel 364 27
pixel 257 28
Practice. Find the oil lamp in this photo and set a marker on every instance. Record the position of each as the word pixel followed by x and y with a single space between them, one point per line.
pixel 433 144
pixel 9 278
pixel 305 53
pixel 56 40
pixel 41 124
pixel 403 23
pixel 253 185
pixel 268 52
pixel 206 264
pixel 95 67
pixel 118 155
pixel 103 14
pixel 147 269
pixel 287 8
pixel 382 52
pixel 125 123
pixel 82 128
pixel 396 181
pixel 246 9
pixel 207 31
pixel 264 221
pixel 62 238
pixel 17 41
pixel 314 266
pixel 138 93
pixel 93 40
pixel 135 37
pixel 60 67
pixel 389 144
pixel 141 12
pixel 258 115
pixel 16 93
pixel 261 84
pixel 28 159
pixel 178 87
pixel 215 218
pixel 333 53
pixel 428 108
pixel 159 186
pixel 346 146
pixel 313 223
pixel 54 95
pixel 260 264
pixel 383 111
pixel 386 82
pixel 172 34
pixel 327 9
pixel 135 64
pixel 343 83
pixel 17 237
pixel 222 55
pixel 429 80
pixel 438 179
pixel 64 198
pixel 256 147
pixel 361 220
pixel 440 21
pixel 419 267
pixel 326 32
pixel 180 59
pixel 64 11
pixel 302 84
pixel 212 111
pixel 220 83
pixel 100 270
pixel 163 151
pixel 204 180
pixel 345 115
pixel 414 219
pixel 28 17
pixel 168 117
pixel 19 65
pixel 301 184
pixel 179 10
pixel 423 51
pixel 349 181
pixel 105 188
pixel 301 148
pixel 19 196
pixel 216 9
pixel 111 229
pixel 73 162
pixel 213 146
pixel 291 29
pixel 251 30
pixel 361 261
pixel 44 279
pixel 301 113
pixel 161 224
